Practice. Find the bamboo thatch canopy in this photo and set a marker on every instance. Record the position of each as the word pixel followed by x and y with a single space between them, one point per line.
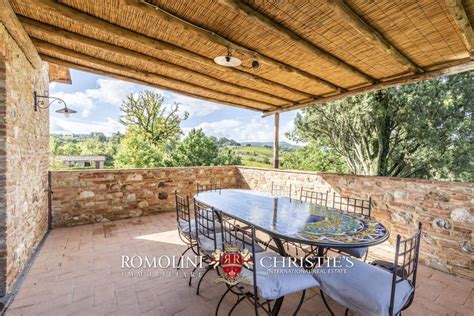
pixel 308 51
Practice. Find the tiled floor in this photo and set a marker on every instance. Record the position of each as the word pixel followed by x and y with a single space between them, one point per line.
pixel 78 272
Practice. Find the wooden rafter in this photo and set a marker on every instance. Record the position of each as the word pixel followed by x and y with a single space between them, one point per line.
pixel 143 78
pixel 11 23
pixel 459 15
pixel 211 36
pixel 58 73
pixel 130 77
pixel 289 35
pixel 153 44
pixel 383 85
pixel 162 81
pixel 357 23
pixel 33 27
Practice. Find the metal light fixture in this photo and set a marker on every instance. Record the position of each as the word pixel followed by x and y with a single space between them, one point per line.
pixel 40 104
pixel 227 60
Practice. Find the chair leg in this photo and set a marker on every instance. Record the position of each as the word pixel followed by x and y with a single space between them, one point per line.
pixel 200 280
pixel 326 303
pixel 366 254
pixel 191 275
pixel 239 300
pixel 179 260
pixel 220 301
pixel 300 303
pixel 347 312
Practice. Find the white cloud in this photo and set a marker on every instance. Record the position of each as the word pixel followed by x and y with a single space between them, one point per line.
pixel 110 91
pixel 195 107
pixel 255 130
pixel 69 126
pixel 113 92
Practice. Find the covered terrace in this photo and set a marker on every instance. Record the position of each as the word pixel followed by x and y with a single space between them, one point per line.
pixel 62 232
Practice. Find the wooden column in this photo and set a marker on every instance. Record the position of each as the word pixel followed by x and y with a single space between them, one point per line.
pixel 276 143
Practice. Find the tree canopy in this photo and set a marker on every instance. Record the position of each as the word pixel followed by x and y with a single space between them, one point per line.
pixel 197 149
pixel 147 114
pixel 420 130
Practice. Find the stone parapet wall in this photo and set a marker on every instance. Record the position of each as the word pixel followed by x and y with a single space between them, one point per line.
pixel 445 209
pixel 92 196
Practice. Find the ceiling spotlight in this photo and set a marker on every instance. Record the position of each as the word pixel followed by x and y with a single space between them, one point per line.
pixel 255 64
pixel 227 60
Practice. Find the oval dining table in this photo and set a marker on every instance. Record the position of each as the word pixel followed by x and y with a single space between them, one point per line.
pixel 286 219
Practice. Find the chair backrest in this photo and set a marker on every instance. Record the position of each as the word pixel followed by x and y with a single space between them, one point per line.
pixel 314 197
pixel 405 264
pixel 213 186
pixel 234 234
pixel 206 222
pixel 183 212
pixel 282 190
pixel 352 205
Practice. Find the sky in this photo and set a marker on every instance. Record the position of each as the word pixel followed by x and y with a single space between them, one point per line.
pixel 97 100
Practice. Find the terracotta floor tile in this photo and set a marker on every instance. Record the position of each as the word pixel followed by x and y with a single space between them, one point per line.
pixel 79 272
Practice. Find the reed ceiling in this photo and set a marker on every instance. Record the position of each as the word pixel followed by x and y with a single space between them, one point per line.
pixel 308 51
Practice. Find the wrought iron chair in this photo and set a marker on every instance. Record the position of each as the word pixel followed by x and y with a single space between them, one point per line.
pixel 358 207
pixel 186 226
pixel 207 235
pixel 282 190
pixel 213 186
pixel 314 197
pixel 260 284
pixel 369 289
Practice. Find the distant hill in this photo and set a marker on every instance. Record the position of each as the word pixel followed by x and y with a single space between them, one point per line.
pixel 283 145
pixel 255 156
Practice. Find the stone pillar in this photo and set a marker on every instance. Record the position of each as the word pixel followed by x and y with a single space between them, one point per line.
pixel 24 158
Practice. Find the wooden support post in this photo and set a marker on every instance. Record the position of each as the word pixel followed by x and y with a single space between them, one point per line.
pixel 276 143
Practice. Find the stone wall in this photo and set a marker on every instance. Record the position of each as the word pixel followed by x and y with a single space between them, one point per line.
pixel 24 147
pixel 84 197
pixel 444 208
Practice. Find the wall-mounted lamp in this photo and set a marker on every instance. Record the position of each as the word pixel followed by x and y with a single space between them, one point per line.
pixel 40 104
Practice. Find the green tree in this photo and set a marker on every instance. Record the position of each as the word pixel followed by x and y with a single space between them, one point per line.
pixel 68 149
pixel 138 151
pixel 197 149
pixel 314 158
pixel 418 130
pixel 147 114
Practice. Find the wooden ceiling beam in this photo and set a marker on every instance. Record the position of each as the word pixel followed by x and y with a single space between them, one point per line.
pixel 33 26
pixel 130 78
pixel 66 12
pixel 261 19
pixel 10 21
pixel 51 50
pixel 242 51
pixel 58 73
pixel 459 16
pixel 468 66
pixel 357 23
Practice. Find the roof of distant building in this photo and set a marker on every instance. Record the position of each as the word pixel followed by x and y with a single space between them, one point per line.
pixel 82 158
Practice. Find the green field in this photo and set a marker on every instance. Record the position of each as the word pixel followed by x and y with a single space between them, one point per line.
pixel 254 156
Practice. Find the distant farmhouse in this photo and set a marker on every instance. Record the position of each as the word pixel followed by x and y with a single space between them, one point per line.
pixel 96 162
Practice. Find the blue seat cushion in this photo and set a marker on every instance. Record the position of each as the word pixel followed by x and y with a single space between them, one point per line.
pixel 361 287
pixel 277 280
pixel 184 227
pixel 358 252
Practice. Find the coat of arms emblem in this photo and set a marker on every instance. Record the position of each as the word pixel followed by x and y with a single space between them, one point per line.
pixel 231 260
